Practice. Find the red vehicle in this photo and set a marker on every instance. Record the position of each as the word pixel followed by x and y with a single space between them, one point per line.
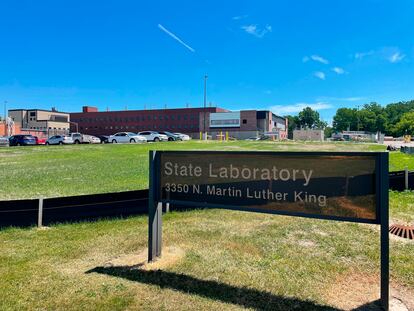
pixel 40 141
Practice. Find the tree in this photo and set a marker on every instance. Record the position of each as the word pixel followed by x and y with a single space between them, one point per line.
pixel 405 125
pixel 394 112
pixel 293 124
pixel 328 131
pixel 372 118
pixel 310 118
pixel 345 119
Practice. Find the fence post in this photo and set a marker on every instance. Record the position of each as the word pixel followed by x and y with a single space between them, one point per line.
pixel 40 214
pixel 406 177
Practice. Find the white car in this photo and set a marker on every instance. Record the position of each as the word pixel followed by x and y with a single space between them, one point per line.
pixel 154 136
pixel 4 141
pixel 59 140
pixel 95 140
pixel 126 137
pixel 183 136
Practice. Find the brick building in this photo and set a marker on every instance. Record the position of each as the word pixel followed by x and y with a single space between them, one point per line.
pixel 239 124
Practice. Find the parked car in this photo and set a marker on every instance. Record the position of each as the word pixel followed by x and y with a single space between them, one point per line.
pixel 79 138
pixel 171 136
pixel 183 136
pixel 95 140
pixel 104 139
pixel 40 141
pixel 253 138
pixel 126 137
pixel 4 141
pixel 59 140
pixel 22 140
pixel 153 136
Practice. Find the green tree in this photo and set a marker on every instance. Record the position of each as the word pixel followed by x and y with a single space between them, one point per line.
pixel 394 112
pixel 405 125
pixel 328 131
pixel 372 118
pixel 344 119
pixel 310 118
pixel 293 124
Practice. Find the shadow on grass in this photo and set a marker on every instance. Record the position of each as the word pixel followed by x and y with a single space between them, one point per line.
pixel 242 296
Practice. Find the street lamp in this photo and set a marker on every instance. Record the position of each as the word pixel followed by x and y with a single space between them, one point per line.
pixel 5 110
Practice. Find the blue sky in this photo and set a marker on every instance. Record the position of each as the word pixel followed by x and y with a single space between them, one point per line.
pixel 279 55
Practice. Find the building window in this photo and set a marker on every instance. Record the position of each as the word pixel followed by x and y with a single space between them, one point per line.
pixel 244 121
pixel 160 117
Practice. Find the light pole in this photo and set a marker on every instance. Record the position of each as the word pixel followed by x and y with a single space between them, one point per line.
pixel 5 110
pixel 205 103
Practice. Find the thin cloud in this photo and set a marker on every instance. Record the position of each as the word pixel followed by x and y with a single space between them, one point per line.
pixel 175 37
pixel 236 18
pixel 396 57
pixel 320 75
pixel 295 108
pixel 338 70
pixel 315 58
pixel 361 55
pixel 347 99
pixel 256 31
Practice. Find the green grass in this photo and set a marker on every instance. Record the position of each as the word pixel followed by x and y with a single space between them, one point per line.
pixel 226 260
pixel 31 172
pixel 230 260
pixel 399 161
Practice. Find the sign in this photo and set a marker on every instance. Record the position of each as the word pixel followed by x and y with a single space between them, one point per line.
pixel 323 186
pixel 347 186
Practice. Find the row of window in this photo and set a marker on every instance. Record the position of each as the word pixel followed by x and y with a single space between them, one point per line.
pixel 137 119
pixel 46 128
pixel 167 127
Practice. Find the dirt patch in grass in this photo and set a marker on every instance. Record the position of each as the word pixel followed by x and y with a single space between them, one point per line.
pixel 358 290
pixel 170 256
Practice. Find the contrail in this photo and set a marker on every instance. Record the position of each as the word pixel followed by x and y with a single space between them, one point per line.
pixel 175 37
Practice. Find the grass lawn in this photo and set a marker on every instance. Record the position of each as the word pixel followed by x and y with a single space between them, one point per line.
pixel 31 172
pixel 212 260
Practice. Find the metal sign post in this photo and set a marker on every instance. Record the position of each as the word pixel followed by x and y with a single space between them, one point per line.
pixel 384 217
pixel 154 212
pixel 342 186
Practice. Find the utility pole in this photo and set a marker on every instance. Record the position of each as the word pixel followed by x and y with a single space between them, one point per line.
pixel 358 118
pixel 205 102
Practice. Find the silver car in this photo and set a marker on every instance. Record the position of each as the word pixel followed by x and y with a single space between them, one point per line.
pixel 59 140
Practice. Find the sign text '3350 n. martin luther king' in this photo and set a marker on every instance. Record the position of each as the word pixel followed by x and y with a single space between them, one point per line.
pixel 323 185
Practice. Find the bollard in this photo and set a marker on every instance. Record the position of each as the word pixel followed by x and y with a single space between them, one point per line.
pixel 40 214
pixel 201 135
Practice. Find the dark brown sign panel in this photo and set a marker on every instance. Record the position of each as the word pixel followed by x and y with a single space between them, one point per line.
pixel 350 186
pixel 322 185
